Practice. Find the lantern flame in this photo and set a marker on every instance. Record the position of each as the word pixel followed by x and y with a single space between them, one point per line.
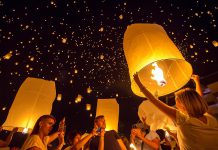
pixel 132 146
pixel 25 131
pixel 158 75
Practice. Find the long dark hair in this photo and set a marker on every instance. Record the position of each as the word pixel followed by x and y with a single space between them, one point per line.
pixel 72 134
pixel 42 118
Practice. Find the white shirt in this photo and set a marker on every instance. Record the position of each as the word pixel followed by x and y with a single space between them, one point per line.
pixel 35 141
pixel 193 134
pixel 150 136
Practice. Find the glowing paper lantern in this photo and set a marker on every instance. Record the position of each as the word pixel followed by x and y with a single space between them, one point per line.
pixel 110 109
pixel 146 44
pixel 89 90
pixel 88 107
pixel 8 55
pixel 33 99
pixel 78 98
pixel 59 97
pixel 154 117
pixel 215 43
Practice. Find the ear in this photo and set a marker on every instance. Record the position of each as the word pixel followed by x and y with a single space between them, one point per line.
pixel 40 124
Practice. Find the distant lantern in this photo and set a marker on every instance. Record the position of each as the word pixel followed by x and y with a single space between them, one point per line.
pixel 59 97
pixel 78 98
pixel 150 52
pixel 121 17
pixel 32 59
pixel 89 90
pixel 215 43
pixel 8 55
pixel 110 109
pixel 64 40
pixel 33 99
pixel 88 107
pixel 101 29
pixel 101 57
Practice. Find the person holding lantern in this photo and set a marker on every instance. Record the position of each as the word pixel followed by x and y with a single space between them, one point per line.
pixel 144 138
pixel 40 138
pixel 9 137
pixel 196 129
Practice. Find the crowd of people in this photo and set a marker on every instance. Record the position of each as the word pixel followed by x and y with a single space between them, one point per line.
pixel 196 129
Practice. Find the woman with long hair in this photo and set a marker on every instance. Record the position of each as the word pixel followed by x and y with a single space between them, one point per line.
pixel 75 141
pixel 196 129
pixel 40 138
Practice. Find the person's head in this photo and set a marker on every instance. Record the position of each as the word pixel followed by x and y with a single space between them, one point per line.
pixel 190 102
pixel 100 121
pixel 161 134
pixel 44 125
pixel 74 137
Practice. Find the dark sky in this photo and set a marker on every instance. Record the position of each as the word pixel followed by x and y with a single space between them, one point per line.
pixel 79 44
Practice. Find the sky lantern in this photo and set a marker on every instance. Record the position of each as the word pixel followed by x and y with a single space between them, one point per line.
pixel 88 107
pixel 215 43
pixel 89 90
pixel 110 109
pixel 78 98
pixel 8 55
pixel 150 52
pixel 154 117
pixel 33 99
pixel 59 97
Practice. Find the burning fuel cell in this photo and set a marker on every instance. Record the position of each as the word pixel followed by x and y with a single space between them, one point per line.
pixel 158 75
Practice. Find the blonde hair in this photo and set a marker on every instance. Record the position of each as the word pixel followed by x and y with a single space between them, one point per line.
pixel 194 104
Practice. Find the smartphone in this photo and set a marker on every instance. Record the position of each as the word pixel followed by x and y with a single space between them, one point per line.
pixel 98 130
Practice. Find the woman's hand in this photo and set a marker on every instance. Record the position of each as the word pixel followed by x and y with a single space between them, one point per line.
pixel 61 138
pixel 15 130
pixel 102 133
pixel 136 132
pixel 62 126
pixel 195 77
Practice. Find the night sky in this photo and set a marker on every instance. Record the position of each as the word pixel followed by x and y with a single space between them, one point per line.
pixel 79 45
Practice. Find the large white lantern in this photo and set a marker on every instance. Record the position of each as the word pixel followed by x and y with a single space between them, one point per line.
pixel 33 99
pixel 110 109
pixel 159 63
pixel 154 117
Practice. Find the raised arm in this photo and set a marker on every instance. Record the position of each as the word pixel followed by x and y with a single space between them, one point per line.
pixel 8 139
pixel 61 141
pixel 53 136
pixel 61 130
pixel 82 142
pixel 154 144
pixel 101 140
pixel 169 111
pixel 196 79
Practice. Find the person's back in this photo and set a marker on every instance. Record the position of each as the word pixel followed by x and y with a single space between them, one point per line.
pixel 194 134
pixel 110 141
